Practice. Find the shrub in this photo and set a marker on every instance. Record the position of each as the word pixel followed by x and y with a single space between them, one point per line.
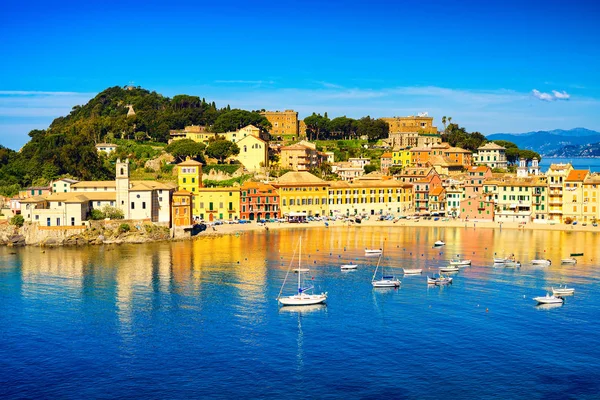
pixel 96 215
pixel 17 220
pixel 124 228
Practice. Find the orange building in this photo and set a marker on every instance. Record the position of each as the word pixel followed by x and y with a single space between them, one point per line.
pixel 259 201
pixel 182 208
pixel 284 124
pixel 420 156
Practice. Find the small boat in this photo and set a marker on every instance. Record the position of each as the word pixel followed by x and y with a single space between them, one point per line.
pixel 373 252
pixel 297 270
pixel 302 297
pixel 570 260
pixel 412 271
pixel 460 262
pixel 500 260
pixel 512 264
pixel 386 281
pixel 440 280
pixel 541 262
pixel 347 267
pixel 547 299
pixel 449 268
pixel 576 254
pixel 439 243
pixel 563 291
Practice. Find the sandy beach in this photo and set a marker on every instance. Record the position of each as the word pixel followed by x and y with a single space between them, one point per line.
pixel 228 229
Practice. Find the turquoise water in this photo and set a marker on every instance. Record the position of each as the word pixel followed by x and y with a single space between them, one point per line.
pixel 199 319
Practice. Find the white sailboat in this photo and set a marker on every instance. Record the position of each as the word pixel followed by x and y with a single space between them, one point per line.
pixel 386 281
pixel 302 297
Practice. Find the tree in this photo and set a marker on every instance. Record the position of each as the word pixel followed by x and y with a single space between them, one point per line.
pixel 17 220
pixel 316 125
pixel 181 149
pixel 342 127
pixel 370 168
pixel 374 129
pixel 235 119
pixel 444 122
pixel 221 149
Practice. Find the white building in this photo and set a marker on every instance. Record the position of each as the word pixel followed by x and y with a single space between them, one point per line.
pixel 492 155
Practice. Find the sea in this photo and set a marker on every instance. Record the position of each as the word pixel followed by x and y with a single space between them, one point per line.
pixel 592 164
pixel 200 319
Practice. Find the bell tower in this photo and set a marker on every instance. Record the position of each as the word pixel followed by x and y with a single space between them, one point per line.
pixel 122 186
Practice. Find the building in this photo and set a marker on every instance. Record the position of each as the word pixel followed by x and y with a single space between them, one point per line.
pixel 193 132
pixel 34 191
pixel 492 155
pixel 437 201
pixel 347 171
pixel 386 162
pixel 259 201
pixel 556 174
pixel 477 209
pixel 62 185
pixel 299 157
pixel 422 189
pixel 521 199
pixel 284 124
pixel 410 175
pixel 182 208
pixel 459 155
pixel 219 203
pixel 189 179
pixel 591 198
pixel 573 195
pixel 369 197
pixel 474 182
pixel 454 196
pixel 419 124
pixel 302 194
pixel 254 153
pixel 107 148
pixel 420 156
pixel 359 161
pixel 402 157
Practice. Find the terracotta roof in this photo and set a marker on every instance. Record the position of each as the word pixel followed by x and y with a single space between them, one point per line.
pixel 491 146
pixel 436 191
pixel 299 178
pixel 296 146
pixel 387 155
pixel 34 199
pixel 577 175
pixel 85 184
pixel 189 163
pixel 458 150
pixel 358 184
pixel 182 193
pixel 480 168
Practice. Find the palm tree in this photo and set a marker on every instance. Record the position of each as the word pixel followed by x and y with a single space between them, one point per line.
pixel 449 120
pixel 444 122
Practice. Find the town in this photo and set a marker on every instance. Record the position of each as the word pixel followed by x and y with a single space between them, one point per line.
pixel 418 175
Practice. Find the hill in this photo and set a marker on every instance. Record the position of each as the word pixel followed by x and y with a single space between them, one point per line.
pixel 578 151
pixel 549 142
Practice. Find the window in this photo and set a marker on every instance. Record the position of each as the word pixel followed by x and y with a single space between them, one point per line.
pixel 72 221
pixel 132 205
pixel 143 205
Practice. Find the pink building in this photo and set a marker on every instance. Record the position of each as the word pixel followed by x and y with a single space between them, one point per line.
pixel 477 208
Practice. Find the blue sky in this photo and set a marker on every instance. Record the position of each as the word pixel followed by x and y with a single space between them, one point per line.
pixel 494 66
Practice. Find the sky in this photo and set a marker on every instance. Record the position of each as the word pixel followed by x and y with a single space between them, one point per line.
pixel 493 66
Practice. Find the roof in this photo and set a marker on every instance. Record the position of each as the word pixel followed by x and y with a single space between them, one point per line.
pixel 480 168
pixel 260 186
pixel 560 167
pixel 577 175
pixel 491 146
pixel 151 185
pixel 299 178
pixel 251 137
pixel 189 163
pixel 296 146
pixel 34 199
pixel 68 180
pixel 592 179
pixel 37 188
pixel 387 155
pixel 436 191
pixel 359 183
pixel 457 150
pixel 86 184
pixel 106 145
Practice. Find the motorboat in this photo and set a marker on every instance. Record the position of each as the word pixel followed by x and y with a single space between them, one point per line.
pixel 373 252
pixel 303 297
pixel 563 290
pixel 412 271
pixel 541 262
pixel 440 280
pixel 512 264
pixel 449 268
pixel 547 299
pixel 347 267
pixel 439 243
pixel 500 260
pixel 570 260
pixel 297 270
pixel 459 262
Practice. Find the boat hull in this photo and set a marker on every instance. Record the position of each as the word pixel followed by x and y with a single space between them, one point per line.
pixel 548 300
pixel 386 283
pixel 414 271
pixel 449 269
pixel 568 261
pixel 460 262
pixel 303 299
pixel 369 252
pixel 541 262
pixel 348 267
pixel 563 291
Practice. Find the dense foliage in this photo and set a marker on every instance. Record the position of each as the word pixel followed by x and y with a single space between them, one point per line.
pixel 320 127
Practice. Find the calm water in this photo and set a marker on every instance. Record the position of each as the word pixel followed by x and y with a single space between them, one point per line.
pixel 199 319
pixel 593 164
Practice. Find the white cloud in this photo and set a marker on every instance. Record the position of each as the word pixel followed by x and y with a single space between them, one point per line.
pixel 561 95
pixel 555 95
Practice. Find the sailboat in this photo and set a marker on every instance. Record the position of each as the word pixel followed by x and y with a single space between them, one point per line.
pixel 386 281
pixel 302 297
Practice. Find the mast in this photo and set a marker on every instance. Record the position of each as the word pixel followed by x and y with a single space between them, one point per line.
pixel 299 266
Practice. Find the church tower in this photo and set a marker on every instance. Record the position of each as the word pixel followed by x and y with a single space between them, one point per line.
pixel 122 186
pixel 535 167
pixel 522 169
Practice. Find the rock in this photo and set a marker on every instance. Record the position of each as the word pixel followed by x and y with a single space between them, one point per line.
pixel 50 242
pixel 16 240
pixel 157 162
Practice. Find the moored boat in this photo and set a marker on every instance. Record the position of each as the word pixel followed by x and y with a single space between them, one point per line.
pixel 373 252
pixel 460 262
pixel 439 243
pixel 576 254
pixel 439 280
pixel 347 267
pixel 541 262
pixel 512 264
pixel 449 268
pixel 412 271
pixel 547 299
pixel 386 281
pixel 563 290
pixel 570 260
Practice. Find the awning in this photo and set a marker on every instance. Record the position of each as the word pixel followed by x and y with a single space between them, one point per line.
pixel 297 214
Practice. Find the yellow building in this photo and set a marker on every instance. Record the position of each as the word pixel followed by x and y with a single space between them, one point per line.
pixel 219 203
pixel 591 198
pixel 369 197
pixel 520 199
pixel 254 153
pixel 302 194
pixel 189 178
pixel 284 124
pixel 574 197
pixel 420 124
pixel 557 173
pixel 402 157
pixel 193 132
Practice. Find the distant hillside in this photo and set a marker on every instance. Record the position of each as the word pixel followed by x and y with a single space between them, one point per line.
pixel 586 150
pixel 549 142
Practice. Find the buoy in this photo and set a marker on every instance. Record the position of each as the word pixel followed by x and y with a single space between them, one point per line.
pixel 239 262
pixel 486 310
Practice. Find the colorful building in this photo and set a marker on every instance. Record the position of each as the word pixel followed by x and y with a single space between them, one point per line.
pixel 302 194
pixel 218 203
pixel 477 209
pixel 284 124
pixel 182 208
pixel 402 157
pixel 419 124
pixel 189 179
pixel 556 174
pixel 369 197
pixel 254 153
pixel 573 195
pixel 386 162
pixel 492 155
pixel 259 201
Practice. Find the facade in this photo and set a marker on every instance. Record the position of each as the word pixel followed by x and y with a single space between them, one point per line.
pixel 34 191
pixel 181 208
pixel 259 201
pixel 437 201
pixel 420 156
pixel 106 148
pixel 573 195
pixel 302 194
pixel 454 196
pixel 591 198
pixel 62 185
pixel 420 124
pixel 422 189
pixel 556 174
pixel 193 132
pixel 492 155
pixel 522 199
pixel 478 209
pixel 402 157
pixel 284 124
pixel 359 162
pixel 298 157
pixel 189 179
pixel 459 155
pixel 219 203
pixel 254 153
pixel 413 139
pixel 369 197
pixel 347 171
pixel 386 162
